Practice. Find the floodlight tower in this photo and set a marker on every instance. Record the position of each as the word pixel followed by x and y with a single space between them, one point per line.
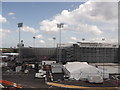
pixel 20 25
pixel 103 39
pixel 60 26
pixel 54 38
pixel 34 41
pixel 83 39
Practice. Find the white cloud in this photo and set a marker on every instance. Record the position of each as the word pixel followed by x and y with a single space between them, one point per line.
pixel 112 40
pixel 2 19
pixel 89 29
pixel 11 13
pixel 29 29
pixel 42 41
pixel 71 42
pixel 73 38
pixel 47 25
pixel 14 17
pixel 4 32
pixel 88 17
pixel 50 39
pixel 39 36
pixel 97 39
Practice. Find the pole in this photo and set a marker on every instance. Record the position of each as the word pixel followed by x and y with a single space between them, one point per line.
pixel 54 38
pixel 54 43
pixel 34 41
pixel 60 26
pixel 19 26
pixel 104 55
pixel 60 38
pixel 34 45
pixel 19 43
pixel 57 52
pixel 60 45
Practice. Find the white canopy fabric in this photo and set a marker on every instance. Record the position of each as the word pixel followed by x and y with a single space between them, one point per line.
pixel 81 70
pixel 13 54
pixel 3 56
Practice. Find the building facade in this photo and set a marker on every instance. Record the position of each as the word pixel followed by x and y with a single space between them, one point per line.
pixel 84 52
pixel 95 54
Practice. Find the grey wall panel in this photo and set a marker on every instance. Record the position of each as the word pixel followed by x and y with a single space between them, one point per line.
pixel 74 53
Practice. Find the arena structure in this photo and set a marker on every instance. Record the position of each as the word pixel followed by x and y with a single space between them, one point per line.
pixel 81 51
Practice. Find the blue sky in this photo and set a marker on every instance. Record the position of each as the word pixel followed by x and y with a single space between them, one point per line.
pixel 40 19
pixel 32 13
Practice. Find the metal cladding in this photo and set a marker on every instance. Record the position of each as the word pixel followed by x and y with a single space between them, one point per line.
pixel 74 53
pixel 39 53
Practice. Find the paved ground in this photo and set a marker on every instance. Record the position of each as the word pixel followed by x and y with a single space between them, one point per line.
pixel 26 80
pixel 109 83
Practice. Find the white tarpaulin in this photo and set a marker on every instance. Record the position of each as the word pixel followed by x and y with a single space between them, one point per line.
pixel 82 70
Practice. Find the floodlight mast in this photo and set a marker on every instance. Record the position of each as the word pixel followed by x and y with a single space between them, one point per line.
pixel 34 41
pixel 20 25
pixel 54 38
pixel 103 39
pixel 60 26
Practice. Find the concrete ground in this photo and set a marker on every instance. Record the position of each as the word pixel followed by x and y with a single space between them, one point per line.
pixel 26 80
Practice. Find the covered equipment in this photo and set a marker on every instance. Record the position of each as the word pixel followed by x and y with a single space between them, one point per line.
pixel 82 71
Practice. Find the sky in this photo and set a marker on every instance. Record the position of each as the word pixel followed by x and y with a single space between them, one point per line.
pixel 90 20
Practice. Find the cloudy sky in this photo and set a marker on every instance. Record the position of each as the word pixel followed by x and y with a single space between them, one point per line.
pixel 90 20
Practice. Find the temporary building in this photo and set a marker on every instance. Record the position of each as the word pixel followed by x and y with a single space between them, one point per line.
pixel 82 70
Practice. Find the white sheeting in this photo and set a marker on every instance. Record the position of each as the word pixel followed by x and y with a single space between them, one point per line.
pixel 81 70
pixel 13 54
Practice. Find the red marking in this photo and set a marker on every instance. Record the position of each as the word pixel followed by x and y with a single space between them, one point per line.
pixel 10 83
